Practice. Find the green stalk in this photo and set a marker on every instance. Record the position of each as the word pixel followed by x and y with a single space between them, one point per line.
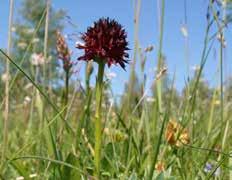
pixel 159 94
pixel 210 121
pixel 46 37
pixel 89 70
pixel 65 105
pixel 221 82
pixel 66 92
pixel 85 115
pixel 132 76
pixel 222 102
pixel 160 58
pixel 98 123
pixel 45 52
pixel 222 90
pixel 6 109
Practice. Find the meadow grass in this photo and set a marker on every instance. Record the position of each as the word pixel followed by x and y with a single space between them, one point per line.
pixel 85 133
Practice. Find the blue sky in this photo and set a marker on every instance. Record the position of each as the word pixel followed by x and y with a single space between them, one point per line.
pixel 83 13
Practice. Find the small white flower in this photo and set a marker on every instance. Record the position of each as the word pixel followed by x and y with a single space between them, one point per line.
pixel 4 77
pixel 37 59
pixel 35 40
pixel 150 99
pixel 22 45
pixel 33 175
pixel 184 31
pixel 190 97
pixel 27 100
pixel 13 29
pixel 20 178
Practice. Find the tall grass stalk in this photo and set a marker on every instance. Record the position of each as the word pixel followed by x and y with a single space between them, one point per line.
pixel 221 56
pixel 159 92
pixel 46 36
pixel 186 39
pixel 136 43
pixel 226 129
pixel 227 120
pixel 136 32
pixel 6 110
pixel 160 58
pixel 210 121
pixel 45 50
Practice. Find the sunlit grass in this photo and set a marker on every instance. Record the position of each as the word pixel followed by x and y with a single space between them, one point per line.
pixel 83 132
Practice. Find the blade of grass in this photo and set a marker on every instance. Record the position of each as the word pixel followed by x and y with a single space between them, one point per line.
pixel 6 109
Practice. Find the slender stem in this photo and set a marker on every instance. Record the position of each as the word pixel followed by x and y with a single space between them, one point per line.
pixel 136 44
pixel 136 25
pixel 66 87
pixel 98 123
pixel 221 81
pixel 159 92
pixel 6 110
pixel 46 36
pixel 66 92
pixel 45 55
pixel 157 149
pixel 65 101
pixel 222 95
pixel 87 77
pixel 222 98
pixel 160 58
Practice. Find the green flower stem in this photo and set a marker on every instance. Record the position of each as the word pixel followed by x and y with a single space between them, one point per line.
pixel 98 124
pixel 65 101
pixel 67 75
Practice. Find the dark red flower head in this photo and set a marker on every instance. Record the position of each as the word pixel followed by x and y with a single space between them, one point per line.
pixel 106 41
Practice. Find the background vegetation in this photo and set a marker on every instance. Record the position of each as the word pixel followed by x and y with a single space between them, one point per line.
pixel 47 125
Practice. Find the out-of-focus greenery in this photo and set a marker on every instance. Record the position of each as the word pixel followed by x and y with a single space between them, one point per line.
pixel 190 136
